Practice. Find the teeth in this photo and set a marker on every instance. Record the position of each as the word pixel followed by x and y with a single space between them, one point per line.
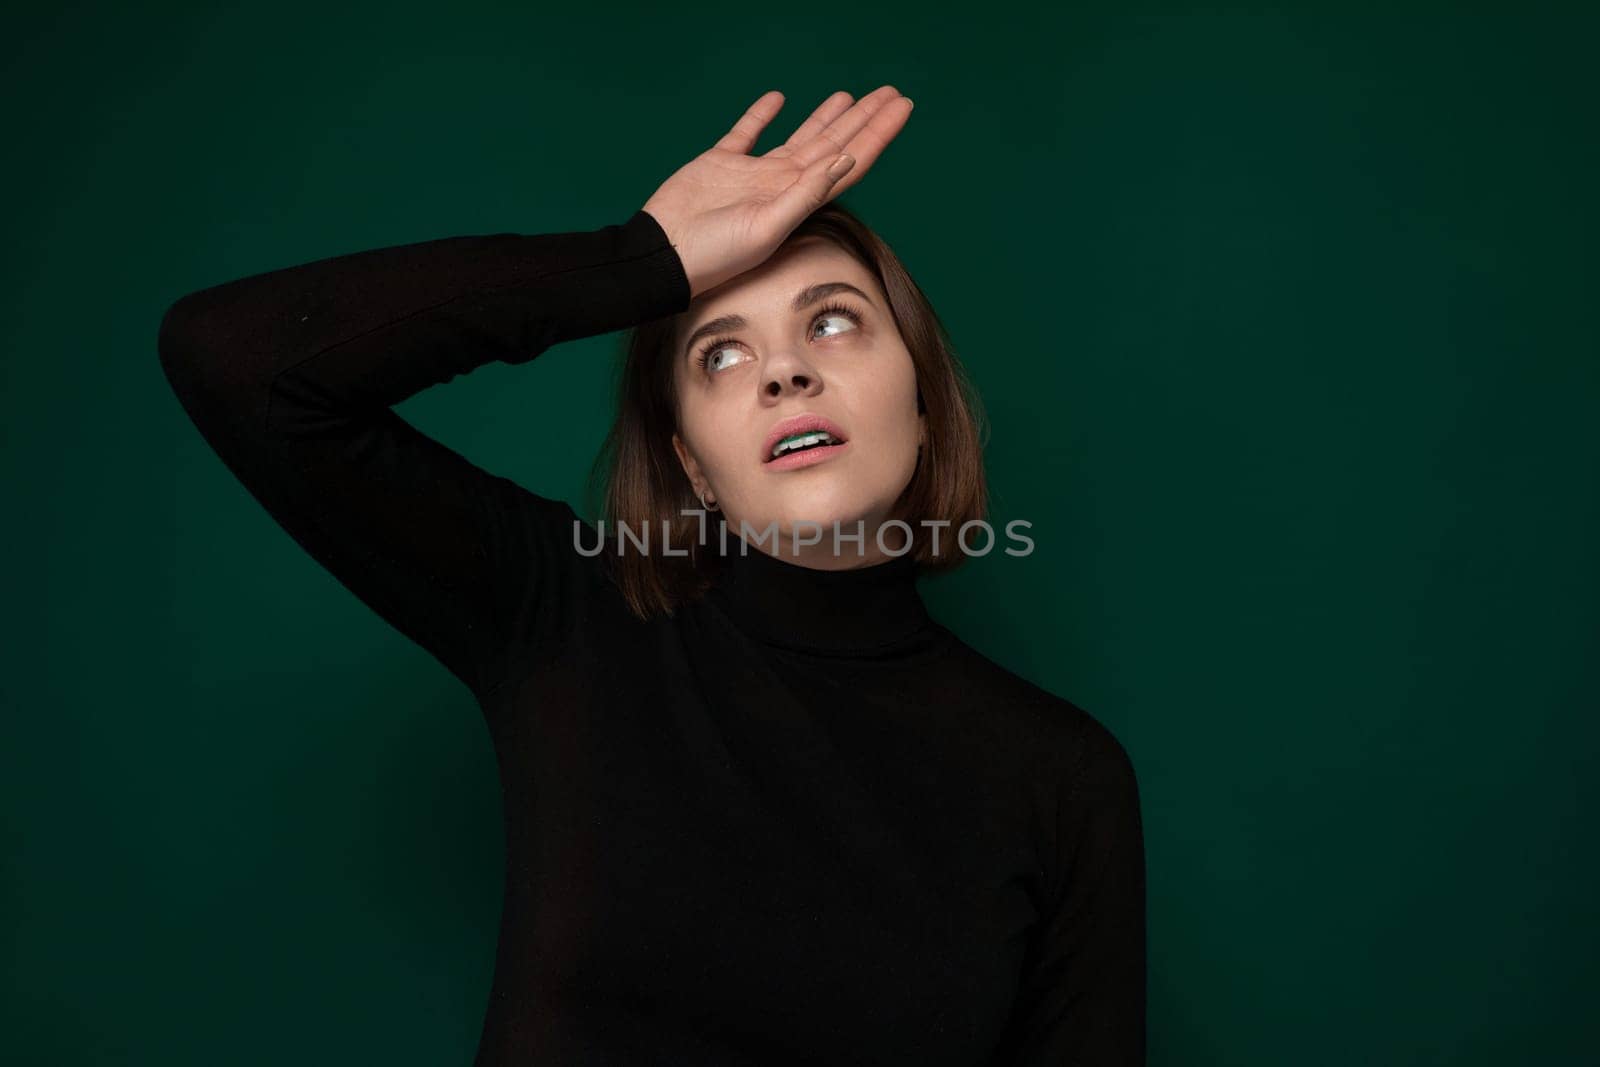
pixel 792 444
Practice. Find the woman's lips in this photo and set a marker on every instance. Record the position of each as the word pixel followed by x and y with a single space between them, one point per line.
pixel 809 421
pixel 810 457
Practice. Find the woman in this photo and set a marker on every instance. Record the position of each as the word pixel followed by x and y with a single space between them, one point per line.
pixel 760 807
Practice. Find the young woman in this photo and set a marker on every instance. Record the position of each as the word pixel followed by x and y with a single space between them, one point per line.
pixel 760 807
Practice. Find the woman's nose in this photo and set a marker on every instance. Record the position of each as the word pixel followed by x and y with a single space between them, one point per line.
pixel 789 375
pixel 803 384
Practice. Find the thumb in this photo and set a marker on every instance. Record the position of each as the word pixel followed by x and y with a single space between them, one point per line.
pixel 810 190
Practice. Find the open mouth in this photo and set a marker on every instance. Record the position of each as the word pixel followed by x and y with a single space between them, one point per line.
pixel 804 441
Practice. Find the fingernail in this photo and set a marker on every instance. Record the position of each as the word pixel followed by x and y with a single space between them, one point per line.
pixel 840 167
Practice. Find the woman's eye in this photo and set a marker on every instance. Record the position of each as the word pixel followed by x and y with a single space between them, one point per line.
pixel 836 318
pixel 710 356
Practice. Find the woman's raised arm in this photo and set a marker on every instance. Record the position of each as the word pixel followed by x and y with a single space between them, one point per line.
pixel 290 376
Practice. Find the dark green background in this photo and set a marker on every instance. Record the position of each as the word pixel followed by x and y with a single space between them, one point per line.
pixel 1287 328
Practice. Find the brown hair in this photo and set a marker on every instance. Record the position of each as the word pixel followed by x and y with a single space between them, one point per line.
pixel 641 484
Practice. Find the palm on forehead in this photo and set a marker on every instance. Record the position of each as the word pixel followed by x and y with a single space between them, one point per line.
pixel 726 211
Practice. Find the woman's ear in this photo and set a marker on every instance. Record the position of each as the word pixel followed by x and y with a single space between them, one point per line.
pixel 691 469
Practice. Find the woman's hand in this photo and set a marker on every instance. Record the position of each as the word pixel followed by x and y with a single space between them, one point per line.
pixel 726 211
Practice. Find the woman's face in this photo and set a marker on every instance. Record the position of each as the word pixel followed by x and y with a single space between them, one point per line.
pixel 847 365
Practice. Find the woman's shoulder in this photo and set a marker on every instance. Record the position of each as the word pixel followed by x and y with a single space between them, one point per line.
pixel 1072 738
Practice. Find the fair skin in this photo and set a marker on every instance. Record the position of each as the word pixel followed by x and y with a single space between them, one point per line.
pixel 786 362
pixel 727 214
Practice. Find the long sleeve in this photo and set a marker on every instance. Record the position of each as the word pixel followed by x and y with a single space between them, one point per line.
pixel 290 377
pixel 1083 997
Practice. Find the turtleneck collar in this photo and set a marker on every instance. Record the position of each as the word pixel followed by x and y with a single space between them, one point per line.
pixel 861 610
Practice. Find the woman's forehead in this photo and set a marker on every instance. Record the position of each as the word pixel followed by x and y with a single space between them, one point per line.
pixel 775 284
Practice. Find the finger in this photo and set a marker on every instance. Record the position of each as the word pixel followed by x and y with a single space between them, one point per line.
pixel 748 129
pixel 809 192
pixel 868 144
pixel 826 112
pixel 832 139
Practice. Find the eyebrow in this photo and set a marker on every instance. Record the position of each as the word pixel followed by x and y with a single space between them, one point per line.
pixel 811 294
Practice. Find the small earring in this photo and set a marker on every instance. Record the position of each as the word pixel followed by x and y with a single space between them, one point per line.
pixel 709 507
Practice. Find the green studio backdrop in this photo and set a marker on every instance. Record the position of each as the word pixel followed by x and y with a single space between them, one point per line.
pixel 1285 325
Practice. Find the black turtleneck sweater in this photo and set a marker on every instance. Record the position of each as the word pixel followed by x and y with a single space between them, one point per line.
pixel 797 822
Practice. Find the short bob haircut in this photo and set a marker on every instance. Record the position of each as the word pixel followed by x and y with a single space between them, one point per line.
pixel 640 483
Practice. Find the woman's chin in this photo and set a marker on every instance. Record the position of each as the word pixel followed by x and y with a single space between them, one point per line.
pixel 805 511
